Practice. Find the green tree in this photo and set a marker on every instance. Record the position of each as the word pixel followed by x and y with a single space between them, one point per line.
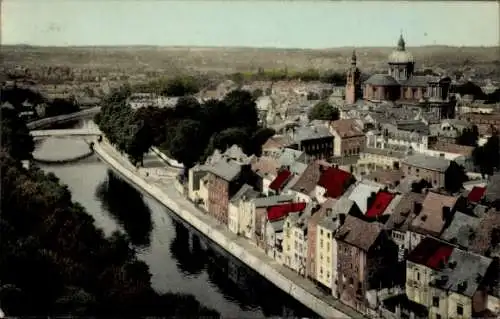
pixel 487 156
pixel 185 146
pixel 15 136
pixel 187 107
pixel 454 177
pixel 324 111
pixel 468 137
pixel 181 86
pixel 242 109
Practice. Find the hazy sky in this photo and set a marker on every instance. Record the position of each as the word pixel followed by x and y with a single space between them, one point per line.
pixel 300 24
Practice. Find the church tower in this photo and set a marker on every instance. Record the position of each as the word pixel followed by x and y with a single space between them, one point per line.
pixel 353 83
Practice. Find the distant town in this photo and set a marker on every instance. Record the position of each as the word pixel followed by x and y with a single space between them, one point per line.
pixel 382 189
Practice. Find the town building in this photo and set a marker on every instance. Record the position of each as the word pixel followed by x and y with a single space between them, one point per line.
pixel 316 141
pixel 436 212
pixel 425 262
pixel 426 167
pixel 360 261
pixel 460 290
pixel 401 85
pixel 353 90
pixel 349 138
pixel 295 240
pixel 240 216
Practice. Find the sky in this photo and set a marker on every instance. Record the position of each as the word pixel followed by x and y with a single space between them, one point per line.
pixel 264 23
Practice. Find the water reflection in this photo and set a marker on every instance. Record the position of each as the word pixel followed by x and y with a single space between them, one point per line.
pixel 233 279
pixel 126 204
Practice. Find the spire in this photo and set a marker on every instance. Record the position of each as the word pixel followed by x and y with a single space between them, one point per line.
pixel 401 42
pixel 353 57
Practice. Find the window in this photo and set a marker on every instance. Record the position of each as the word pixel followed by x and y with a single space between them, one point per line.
pixel 435 301
pixel 418 276
pixel 328 235
pixel 321 243
pixel 438 316
pixel 460 309
pixel 321 231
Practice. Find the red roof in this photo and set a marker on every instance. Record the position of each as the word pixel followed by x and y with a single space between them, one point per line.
pixel 476 194
pixel 280 180
pixel 279 211
pixel 334 181
pixel 431 253
pixel 382 200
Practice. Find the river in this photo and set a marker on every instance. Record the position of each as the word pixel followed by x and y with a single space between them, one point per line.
pixel 180 259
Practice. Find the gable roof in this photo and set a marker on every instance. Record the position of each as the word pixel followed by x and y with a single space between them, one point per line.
pixel 280 180
pixel 403 213
pixel 461 230
pixel 246 191
pixel 484 237
pixel 334 181
pixel 427 162
pixel 431 253
pixel 279 211
pixel 308 180
pixel 361 193
pixel 431 219
pixel 347 128
pixel 359 233
pixel 265 166
pixel 464 273
pixel 272 200
pixel 476 194
pixel 382 200
pixel 278 141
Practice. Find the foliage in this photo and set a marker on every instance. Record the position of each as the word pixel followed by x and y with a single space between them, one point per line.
pixel 418 186
pixel 324 111
pixel 285 74
pixel 178 86
pixel 468 137
pixel 16 138
pixel 61 106
pixel 54 260
pixel 487 156
pixel 189 132
pixel 454 177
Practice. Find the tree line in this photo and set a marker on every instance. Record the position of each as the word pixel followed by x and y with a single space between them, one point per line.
pixel 285 74
pixel 189 132
pixel 16 96
pixel 54 260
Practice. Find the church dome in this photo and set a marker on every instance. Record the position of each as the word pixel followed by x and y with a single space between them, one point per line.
pixel 381 80
pixel 400 55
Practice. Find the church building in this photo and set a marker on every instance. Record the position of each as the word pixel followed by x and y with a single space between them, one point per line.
pixel 399 85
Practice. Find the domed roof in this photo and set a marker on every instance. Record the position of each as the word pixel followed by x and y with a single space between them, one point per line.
pixel 400 55
pixel 381 80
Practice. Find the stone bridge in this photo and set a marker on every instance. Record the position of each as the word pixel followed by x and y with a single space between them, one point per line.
pixel 79 132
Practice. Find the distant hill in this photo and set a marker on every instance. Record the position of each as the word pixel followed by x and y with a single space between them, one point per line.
pixel 482 61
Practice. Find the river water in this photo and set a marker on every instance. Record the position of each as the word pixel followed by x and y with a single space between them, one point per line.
pixel 180 259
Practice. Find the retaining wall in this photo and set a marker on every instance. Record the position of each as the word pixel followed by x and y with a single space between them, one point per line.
pixel 229 243
pixel 168 160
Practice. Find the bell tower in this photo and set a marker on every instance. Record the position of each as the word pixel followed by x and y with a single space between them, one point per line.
pixel 353 82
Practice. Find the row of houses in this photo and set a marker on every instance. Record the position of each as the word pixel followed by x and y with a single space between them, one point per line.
pixel 366 242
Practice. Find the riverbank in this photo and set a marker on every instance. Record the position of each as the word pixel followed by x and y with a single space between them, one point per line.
pixel 62 118
pixel 163 190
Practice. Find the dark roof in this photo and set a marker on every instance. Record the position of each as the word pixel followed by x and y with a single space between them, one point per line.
pixel 420 80
pixel 427 162
pixel 335 181
pixel 431 253
pixel 280 180
pixel 382 200
pixel 476 194
pixel 382 80
pixel 463 273
pixel 461 230
pixel 404 212
pixel 280 211
pixel 359 233
pixel 488 229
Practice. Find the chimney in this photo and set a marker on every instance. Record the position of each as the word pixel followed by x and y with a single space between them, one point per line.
pixel 342 218
pixel 417 208
pixel 446 213
pixel 370 200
